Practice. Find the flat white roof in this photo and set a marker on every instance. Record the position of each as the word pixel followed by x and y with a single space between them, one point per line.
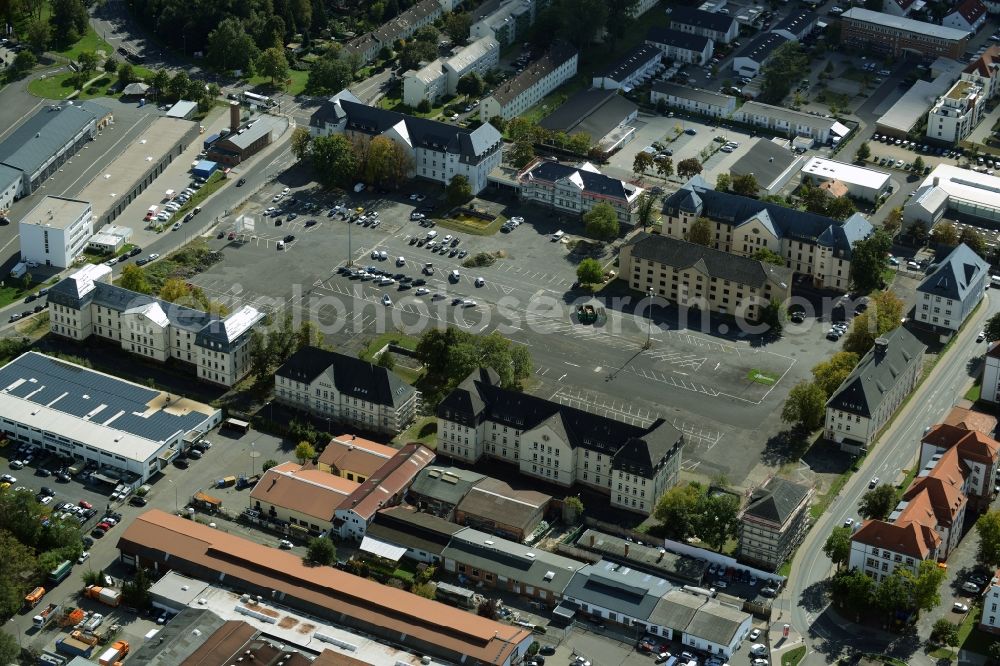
pixel 56 212
pixel 966 185
pixel 902 23
pixel 846 173
pixel 914 104
pixel 470 54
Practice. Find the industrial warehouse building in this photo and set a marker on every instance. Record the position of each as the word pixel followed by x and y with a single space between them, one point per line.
pixel 70 410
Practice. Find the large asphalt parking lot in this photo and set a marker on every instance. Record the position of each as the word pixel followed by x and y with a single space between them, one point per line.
pixel 698 379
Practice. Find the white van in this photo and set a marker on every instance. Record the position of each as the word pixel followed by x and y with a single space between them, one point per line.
pixel 431 234
pixel 454 276
pixel 995 281
pixel 281 245
pixel 558 235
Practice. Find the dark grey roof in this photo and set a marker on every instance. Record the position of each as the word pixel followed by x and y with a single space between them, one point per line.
pixel 677 39
pixel 956 275
pixel 102 399
pixel 761 47
pixel 875 375
pixel 618 589
pixel 776 500
pixel 696 94
pixel 595 183
pixel 715 263
pixel 717 623
pixel 530 566
pixel 796 21
pixel 351 376
pixel 676 609
pixel 44 134
pixel 631 447
pixel 636 59
pixel 766 160
pixel 593 112
pixel 657 561
pixel 699 18
pixel 405 23
pixel 424 133
pixel 260 126
pixel 698 197
pixel 406 527
pixel 447 485
pixel 499 503
pixel 508 91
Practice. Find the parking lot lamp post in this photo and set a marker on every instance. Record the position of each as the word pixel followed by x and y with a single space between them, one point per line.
pixel 177 506
pixel 253 456
pixel 350 254
pixel 649 328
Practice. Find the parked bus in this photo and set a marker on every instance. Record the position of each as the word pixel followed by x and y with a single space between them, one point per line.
pixel 235 424
pixel 59 574
pixel 258 100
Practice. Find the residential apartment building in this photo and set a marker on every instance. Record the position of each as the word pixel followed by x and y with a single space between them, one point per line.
pixel 693 100
pixel 634 68
pixel 812 245
pixel 797 24
pixel 899 7
pixel 424 12
pixel 439 151
pixel 509 23
pixel 749 60
pixel 791 123
pixel 952 290
pixel 968 15
pixel 515 96
pixel 681 46
pixel 956 113
pixel 440 77
pixel 346 390
pixel 56 231
pixel 990 620
pixel 879 547
pixel 576 190
pixel 991 374
pixel 983 71
pixel 873 391
pixel 559 444
pixel 695 276
pixel 978 454
pixel 354 458
pixel 718 27
pixel 773 523
pixel 216 349
pixel 898 36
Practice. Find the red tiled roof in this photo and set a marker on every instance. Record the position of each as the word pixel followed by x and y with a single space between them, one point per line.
pixel 911 539
pixel 970 419
pixel 904 4
pixel 304 490
pixel 395 475
pixel 356 454
pixel 970 444
pixel 971 10
pixel 985 66
pixel 186 546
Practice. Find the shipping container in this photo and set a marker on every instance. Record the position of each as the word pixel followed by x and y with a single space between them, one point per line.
pixel 59 574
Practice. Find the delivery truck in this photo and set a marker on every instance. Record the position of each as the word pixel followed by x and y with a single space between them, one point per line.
pixel 225 482
pixel 105 595
pixel 49 613
pixel 74 647
pixel 114 654
pixel 32 598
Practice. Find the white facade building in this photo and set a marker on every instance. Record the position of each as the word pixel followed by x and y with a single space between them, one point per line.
pixel 694 100
pixel 991 374
pixel 216 349
pixel 515 96
pixel 69 410
pixel 638 65
pixel 427 83
pixel 991 606
pixel 576 190
pixel 969 15
pixel 718 27
pixel 952 291
pixel 957 113
pixel 861 182
pixel 441 76
pixel 681 46
pixel 792 123
pixel 951 188
pixel 56 231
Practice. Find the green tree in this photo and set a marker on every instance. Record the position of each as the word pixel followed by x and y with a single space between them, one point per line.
pixel 784 68
pixel 179 84
pixel 988 528
pixel 133 278
pixel 642 163
pixel 884 314
pixel 645 208
pixel 830 374
pixel 974 240
pixel 230 47
pixel 38 35
pixel 701 232
pixel 69 21
pixel 688 168
pixel 458 191
pixel 24 61
pixel 87 62
pixel 334 160
pixel 723 182
pixel 926 585
pixel 664 167
pixel 268 464
pixel 414 52
pixel 878 502
pixel 769 257
pixel 456 26
pixel 574 504
pixel 590 271
pixel 330 74
pixel 944 233
pixel 717 518
pixel 135 592
pixel 301 140
pixel 893 222
pixel 745 185
pixel 261 356
pixel 126 73
pixel 863 153
pixel 304 451
pixel 838 546
pixel 471 85
pixel 111 65
pixel 387 360
pixel 676 510
pixel 868 260
pixel 918 164
pixel 273 64
pixel 521 154
pixel 161 81
pixel 601 222
pixel 805 406
pixel 992 328
pixel 852 590
pixel 16 558
pixel 840 208
pixel 9 649
pixel 944 632
pixel 425 590
pixel 321 551
pixel 894 593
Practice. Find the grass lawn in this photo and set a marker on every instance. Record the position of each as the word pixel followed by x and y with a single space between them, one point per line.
pixel 888 275
pixel 423 430
pixel 793 656
pixel 214 182
pixel 89 42
pixel 974 392
pixel 382 339
pixel 99 258
pixel 471 225
pixel 823 501
pixel 35 326
pixel 761 377
pixel 298 82
pixel 785 569
pixel 53 87
pixel 15 291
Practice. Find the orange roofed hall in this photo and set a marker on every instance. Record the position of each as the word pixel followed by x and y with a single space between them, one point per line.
pixel 166 542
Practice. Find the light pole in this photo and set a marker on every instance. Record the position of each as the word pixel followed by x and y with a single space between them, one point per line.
pixel 649 328
pixel 253 458
pixel 177 506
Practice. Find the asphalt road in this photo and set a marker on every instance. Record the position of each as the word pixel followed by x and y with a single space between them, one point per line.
pixel 805 598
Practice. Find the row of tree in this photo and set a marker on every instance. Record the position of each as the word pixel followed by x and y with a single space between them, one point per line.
pixel 450 355
pixel 271 347
pixel 339 160
pixel 693 510
pixel 902 590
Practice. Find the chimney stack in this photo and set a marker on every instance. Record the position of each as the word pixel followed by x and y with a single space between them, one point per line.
pixel 234 117
pixel 881 344
pixel 591 539
pixel 626 550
